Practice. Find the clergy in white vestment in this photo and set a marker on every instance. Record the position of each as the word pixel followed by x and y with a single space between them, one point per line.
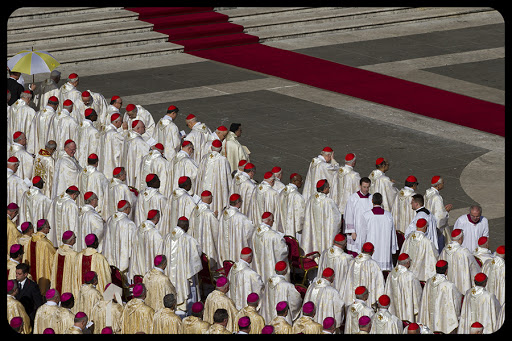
pixel 90 221
pixel 404 290
pixel 345 182
pixel 495 270
pixel 382 184
pixel 69 91
pixel 474 226
pixel 278 175
pixel 432 233
pixel 63 126
pixel 91 179
pixel 238 171
pixel 482 252
pixel 118 190
pixel 381 232
pixel 269 247
pixel 48 88
pixel 67 169
pixel 401 208
pixel 336 258
pixel 244 185
pixel 479 305
pixel 422 251
pixel 292 206
pixel 38 134
pixel 151 199
pixel 434 203
pixel 89 137
pixel 20 115
pixel 147 244
pixel 180 204
pixel 44 166
pixel 95 101
pixel 243 279
pixel 232 149
pixel 137 112
pixel 134 149
pixel 278 289
pixel 63 215
pixel 322 220
pixel 354 222
pixel 111 145
pixel 154 162
pixel 167 133
pixel 34 205
pixel 214 175
pixel 184 256
pixel 359 306
pixel 204 227
pixel 184 165
pixel 219 134
pixel 462 264
pixel 265 199
pixel 16 186
pixel 363 270
pixel 26 159
pixel 383 322
pixel 326 298
pixel 157 282
pixel 115 105
pixel 235 230
pixel 118 237
pixel 321 167
pixel 440 302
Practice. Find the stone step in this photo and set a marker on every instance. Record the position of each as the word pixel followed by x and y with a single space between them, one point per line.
pixel 30 13
pixel 242 13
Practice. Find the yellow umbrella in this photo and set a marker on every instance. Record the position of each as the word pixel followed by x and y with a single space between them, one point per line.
pixel 32 62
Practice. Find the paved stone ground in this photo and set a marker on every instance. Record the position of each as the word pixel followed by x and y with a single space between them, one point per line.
pixel 286 124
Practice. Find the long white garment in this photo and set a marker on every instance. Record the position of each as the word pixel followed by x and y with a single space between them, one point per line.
pixel 423 254
pixel 268 248
pixel 180 204
pixel 118 240
pixel 145 116
pixel 63 215
pixel 335 258
pixel 16 187
pixel 383 185
pixel 364 271
pixel 234 151
pixel 91 179
pixel 243 280
pixel 117 190
pixel 155 163
pixel 26 159
pixel 34 205
pixel 204 227
pixel 292 206
pixel 245 187
pixel 278 185
pixel 21 116
pixel 265 199
pixel 235 233
pixel 401 209
pixel 46 89
pixel 440 304
pixel 383 322
pixel 98 103
pixel 319 169
pixel 68 91
pixel 483 254
pixel 322 221
pixel 434 203
pixel 184 262
pixel 355 310
pixel 183 165
pixel 111 150
pixel 462 266
pixel 88 142
pixel 472 231
pixel 198 135
pixel 147 244
pixel 214 175
pixel 431 233
pixel 495 270
pixel 345 183
pixel 90 222
pixel 44 166
pixel 134 150
pixel 479 306
pixel 404 290
pixel 354 221
pixel 62 128
pixel 381 232
pixel 38 134
pixel 278 289
pixel 167 133
pixel 327 300
pixel 151 199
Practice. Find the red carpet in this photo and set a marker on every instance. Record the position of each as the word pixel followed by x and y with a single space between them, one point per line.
pixel 228 45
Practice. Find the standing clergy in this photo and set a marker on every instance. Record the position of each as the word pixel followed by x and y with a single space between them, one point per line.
pixel 194 324
pixel 265 199
pixel 26 159
pixel 88 137
pixel 382 184
pixel 149 199
pixel 244 185
pixel 291 207
pixel 46 311
pixel 233 150
pixel 111 145
pixel 109 310
pixel 250 311
pixel 89 259
pixel 147 244
pixel 345 182
pixel 63 215
pixel 306 324
pixel 118 190
pixel 320 211
pixel 15 307
pixel 44 166
pixel 355 224
pixel 235 230
pixel 47 89
pixel 15 185
pixel 116 103
pixel 358 308
pixel 34 205
pixel 155 163
pixel 481 253
pixel 90 220
pixel 279 323
pixel 269 247
pixel 383 322
pixel 41 252
pixel 218 299
pixel 381 232
pixel 92 180
pixel 13 234
pixel 401 209
pixel 494 269
pixel 39 129
pixel 67 169
pixel 157 283
pixel 214 175
pixel 180 204
pixel 440 302
pixel 198 135
pixel 134 149
pixel 434 203
pixel 474 226
pixel 219 134
pixel 95 101
pixel 184 256
pixel 20 115
pixel 137 315
pixel 63 274
pixel 321 167
pixel 278 175
pixel 63 126
pixel 165 320
pixel 184 165
pixel 137 112
pixel 69 90
pixel 167 133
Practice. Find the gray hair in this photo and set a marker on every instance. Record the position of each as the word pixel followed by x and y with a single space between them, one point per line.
pixel 51 145
pixel 169 301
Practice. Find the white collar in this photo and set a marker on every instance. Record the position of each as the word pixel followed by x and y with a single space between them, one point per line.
pixel 161 270
pixel 50 303
pixel 15 261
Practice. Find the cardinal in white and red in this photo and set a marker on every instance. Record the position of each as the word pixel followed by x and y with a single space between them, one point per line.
pixel 198 135
pixel 265 199
pixel 321 167
pixel 346 182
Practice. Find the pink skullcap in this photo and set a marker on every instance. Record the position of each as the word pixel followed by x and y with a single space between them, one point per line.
pixel 158 260
pixel 15 248
pixel 72 76
pixel 50 294
pixel 350 157
pixel 280 266
pixel 384 300
pixel 292 175
pixel 403 256
pixel 87 195
pixel 244 322
pixel 482 240
pixel 182 179
pixel 114 98
pixel 268 175
pixel 41 222
pixel 25 226
pixel 276 170
pixel 379 161
pixel 328 322
pixel 308 307
pixel 268 329
pixel 117 170
pixel 68 141
pixel 222 128
pixel 121 203
pixel 206 194
pixel 66 235
pixel 114 116
pixel 152 214
pixel 327 149
pixel 16 135
pixel 328 272
pixel 185 143
pixel 421 223
pixel 281 306
pixel 477 325
pixel 266 215
pixel 241 163
pixel 501 250
pixel 480 277
pixel 456 233
pixel 80 315
pixel 36 179
pixel 413 326
pixel 86 94
pixel 12 206
pixel 234 197
pixel 134 123
pixel 13 159
pixel 65 296
pixel 48 331
pixel 130 107
pixel 364 320
pixel 189 117
pixel 435 180
pixel 221 281
pixel 88 112
pixel 89 239
pixel 249 166
pixel 183 218
pixel 107 330
pixel 252 297
pixel 411 178
pixel 16 322
pixel 159 146
pixel 10 284
pixel 320 183
pixel 89 275
pixel 217 143
pixel 137 290
pixel 197 307
pixel 367 247
pixel 67 103
pixel 246 251
pixel 360 290
pixel 440 263
pixel 339 237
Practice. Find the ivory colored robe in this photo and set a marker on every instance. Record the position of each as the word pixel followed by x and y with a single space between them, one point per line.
pixel 117 191
pixel 462 266
pixel 291 209
pixel 65 174
pixel 401 209
pixel 147 244
pixel 134 149
pixel 281 326
pixel 63 127
pixel 217 300
pixel 38 134
pixel 63 273
pixel 16 187
pixel 322 221
pixel 46 89
pixel 278 289
pixel 87 297
pixel 423 254
pixel 381 232
pixel 118 240
pixel 180 204
pixel 204 227
pixel 472 231
pixel 327 300
pixel 354 220
pixel 91 179
pixel 495 271
pixel 383 322
pixel 383 185
pixel 265 199
pixel 40 268
pixel 319 169
pixel 431 232
pixel 98 103
pixel 142 115
pixel 335 258
pixel 483 254
pixel 184 165
pixel 20 118
pixel 12 234
pixel 167 133
pixel 15 308
pixel 89 259
pixel 155 163
pixel 63 215
pixel 111 150
pixel 198 135
pixel 34 205
pixel 217 328
pixel 166 321
pixel 355 310
pixel 25 169
pixel 158 285
pixel 364 271
pixel 479 305
pixel 243 281
pixel 245 187
pixel 90 222
pixel 43 318
pixel 68 91
pixel 234 151
pixel 151 199
pixel 306 325
pixel 44 166
pixel 257 321
pixel 235 233
pixel 214 175
pixel 194 325
pixel 404 290
pixel 268 248
pixel 99 316
pixel 88 141
pixel 345 183
pixel 434 203
pixel 62 320
pixel 137 317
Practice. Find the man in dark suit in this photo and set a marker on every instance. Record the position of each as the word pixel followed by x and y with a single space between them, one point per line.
pixel 16 88
pixel 29 293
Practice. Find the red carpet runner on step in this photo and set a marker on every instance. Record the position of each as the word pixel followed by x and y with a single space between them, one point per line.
pixel 208 34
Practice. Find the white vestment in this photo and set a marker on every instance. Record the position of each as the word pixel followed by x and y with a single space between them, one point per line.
pixel 39 130
pixel 183 165
pixel 383 185
pixel 198 135
pixel 278 185
pixel 204 227
pixel 381 232
pixel 243 280
pixel 278 289
pixel 479 306
pixel 234 151
pixel 434 203
pixel 462 266
pixel 319 169
pixel 118 240
pixel 88 142
pixel 144 116
pixel 65 174
pixel 345 183
pixel 46 89
pixel 16 187
pixel 472 232
pixel 63 215
pixel 62 128
pixel 268 248
pixel 423 254
pixel 235 233
pixel 26 159
pixel 335 258
pixel 364 271
pixel 147 244
pixel 90 222
pixel 167 133
pixel 383 322
pixel 265 199
pixel 495 270
pixel 134 150
pixel 354 221
pixel 151 199
pixel 98 103
pixel 180 204
pixel 483 254
pixel 117 191
pixel 68 91
pixel 355 310
pixel 111 150
pixel 401 209
pixel 34 205
pixel 292 206
pixel 431 233
pixel 44 166
pixel 328 301
pixel 245 187
pixel 155 163
pixel 91 179
pixel 20 118
pixel 404 290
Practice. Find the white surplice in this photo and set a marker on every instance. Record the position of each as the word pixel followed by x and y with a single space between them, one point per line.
pixel 381 232
pixel 472 231
pixel 354 221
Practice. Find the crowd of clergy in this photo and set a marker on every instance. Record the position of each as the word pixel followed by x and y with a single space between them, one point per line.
pixel 120 224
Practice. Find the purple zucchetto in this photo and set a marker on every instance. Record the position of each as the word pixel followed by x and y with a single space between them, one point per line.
pixel 24 226
pixel 12 206
pixel 107 330
pixel 16 322
pixel 364 320
pixel 328 322
pixel 221 281
pixel 41 222
pixel 244 322
pixel 66 235
pixel 50 294
pixel 90 239
pixel 308 307
pixel 267 330
pixel 10 284
pixel 66 296
pixel 137 290
pixel 80 315
pixel 281 305
pixel 253 297
pixel 89 275
pixel 158 260
pixel 15 248
pixel 49 331
pixel 197 307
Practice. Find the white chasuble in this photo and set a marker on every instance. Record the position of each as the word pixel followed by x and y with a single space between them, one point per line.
pixel 66 174
pixel 90 222
pixel 268 248
pixel 16 187
pixel 180 204
pixel 167 133
pixel 118 240
pixel 355 310
pixel 151 199
pixel 319 169
pixel 278 289
pixel 335 258
pixel 117 191
pixel 401 209
pixel 462 267
pixel 435 204
pixel 243 280
pixel 327 300
pixel 234 151
pixel 245 187
pixel 147 244
pixel 404 290
pixel 111 150
pixel 423 254
pixel 345 183
pixel 382 184
pixel 155 163
pixel 63 127
pixel 20 118
pixel 26 159
pixel 199 137
pixel 68 91
pixel 63 215
pixel 91 179
pixel 88 142
pixel 479 306
pixel 291 208
pixel 37 136
pixel 204 227
pixel 235 233
pixel 184 165
pixel 364 271
pixel 34 205
pixel 495 270
pixel 144 116
pixel 44 166
pixel 134 150
pixel 383 322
